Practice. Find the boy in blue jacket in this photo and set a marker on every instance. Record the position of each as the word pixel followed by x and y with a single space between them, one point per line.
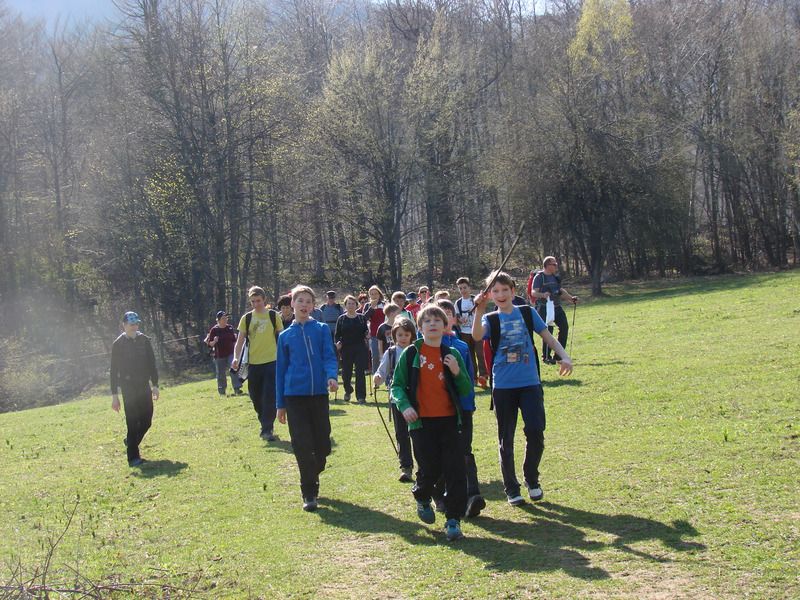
pixel 306 369
pixel 475 502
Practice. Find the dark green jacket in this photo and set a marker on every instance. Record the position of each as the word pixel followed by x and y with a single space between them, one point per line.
pixel 404 382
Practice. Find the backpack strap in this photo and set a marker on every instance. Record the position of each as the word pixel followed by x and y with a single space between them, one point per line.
pixel 248 318
pixel 413 376
pixel 273 316
pixel 527 315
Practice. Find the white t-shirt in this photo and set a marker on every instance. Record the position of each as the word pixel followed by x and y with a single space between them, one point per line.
pixel 465 314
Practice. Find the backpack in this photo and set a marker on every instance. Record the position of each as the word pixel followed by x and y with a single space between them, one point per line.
pixel 533 276
pixel 459 311
pixel 490 345
pixel 243 369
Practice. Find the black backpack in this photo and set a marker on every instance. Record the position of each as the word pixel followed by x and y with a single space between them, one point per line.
pixel 248 318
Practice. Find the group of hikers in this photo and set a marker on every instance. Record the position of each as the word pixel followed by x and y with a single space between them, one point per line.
pixel 430 352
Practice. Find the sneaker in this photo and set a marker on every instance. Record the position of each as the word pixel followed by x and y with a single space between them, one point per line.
pixel 475 504
pixel 405 475
pixel 347 396
pixel 125 441
pixel 516 499
pixel 239 392
pixel 535 492
pixel 136 462
pixel 425 512
pixel 310 504
pixel 362 400
pixel 267 436
pixel 441 507
pixel 482 381
pixel 452 529
pixel 271 437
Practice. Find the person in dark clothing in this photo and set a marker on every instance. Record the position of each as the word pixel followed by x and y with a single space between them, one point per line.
pixel 351 338
pixel 222 338
pixel 284 305
pixel 545 285
pixel 133 368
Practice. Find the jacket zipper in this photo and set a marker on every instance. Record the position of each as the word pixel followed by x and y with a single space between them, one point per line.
pixel 309 352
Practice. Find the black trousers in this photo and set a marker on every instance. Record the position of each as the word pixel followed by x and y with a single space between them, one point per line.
pixel 310 430
pixel 473 489
pixel 438 451
pixel 261 387
pixel 530 402
pixel 561 321
pixel 138 403
pixel 355 355
pixel 403 439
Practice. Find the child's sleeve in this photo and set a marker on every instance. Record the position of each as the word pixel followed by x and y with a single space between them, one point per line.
pixel 280 371
pixel 399 382
pixel 329 353
pixel 384 366
pixel 487 327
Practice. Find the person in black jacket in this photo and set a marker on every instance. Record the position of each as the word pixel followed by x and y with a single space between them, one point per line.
pixel 351 338
pixel 133 368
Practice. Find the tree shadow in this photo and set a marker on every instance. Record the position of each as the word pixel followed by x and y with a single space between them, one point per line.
pixel 160 468
pixel 543 545
pixel 627 528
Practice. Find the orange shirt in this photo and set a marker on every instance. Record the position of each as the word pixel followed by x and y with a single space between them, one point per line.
pixel 432 396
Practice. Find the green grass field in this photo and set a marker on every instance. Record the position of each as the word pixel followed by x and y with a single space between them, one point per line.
pixel 671 471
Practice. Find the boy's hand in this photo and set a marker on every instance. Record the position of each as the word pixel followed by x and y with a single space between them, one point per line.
pixel 377 380
pixel 481 301
pixel 452 364
pixel 115 402
pixel 235 364
pixel 154 392
pixel 574 299
pixel 566 367
pixel 282 416
pixel 410 415
pixel 338 345
pixel 333 385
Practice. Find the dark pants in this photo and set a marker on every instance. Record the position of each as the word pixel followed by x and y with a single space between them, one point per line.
pixel 310 430
pixel 223 367
pixel 261 386
pixel 439 451
pixel 138 403
pixel 355 355
pixel 476 352
pixel 473 489
pixel 403 439
pixel 530 402
pixel 561 321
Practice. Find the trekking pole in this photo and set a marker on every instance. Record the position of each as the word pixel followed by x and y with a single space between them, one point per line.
pixel 572 339
pixel 385 426
pixel 505 260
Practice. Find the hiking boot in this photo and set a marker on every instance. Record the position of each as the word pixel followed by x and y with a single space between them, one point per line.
pixel 441 507
pixel 310 504
pixel 475 504
pixel 271 437
pixel 535 492
pixel 347 396
pixel 452 529
pixel 267 436
pixel 136 462
pixel 425 512
pixel 362 400
pixel 239 392
pixel 516 499
pixel 405 475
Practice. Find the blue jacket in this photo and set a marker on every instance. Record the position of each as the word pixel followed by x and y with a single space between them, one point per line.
pixel 451 341
pixel 306 360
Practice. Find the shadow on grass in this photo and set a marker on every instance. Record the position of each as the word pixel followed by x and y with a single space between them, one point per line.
pixel 627 528
pixel 562 381
pixel 607 363
pixel 539 546
pixel 160 468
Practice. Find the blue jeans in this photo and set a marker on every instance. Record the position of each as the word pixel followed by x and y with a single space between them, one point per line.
pixel 223 368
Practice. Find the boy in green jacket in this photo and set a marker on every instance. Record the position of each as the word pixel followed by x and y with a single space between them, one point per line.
pixel 428 380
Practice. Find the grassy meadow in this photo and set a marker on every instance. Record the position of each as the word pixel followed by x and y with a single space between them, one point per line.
pixel 671 470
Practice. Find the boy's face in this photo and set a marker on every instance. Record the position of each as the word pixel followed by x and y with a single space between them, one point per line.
pixel 464 290
pixel 451 318
pixel 502 294
pixel 402 338
pixel 432 327
pixel 399 300
pixel 302 304
pixel 130 328
pixel 351 305
pixel 286 311
pixel 257 302
pixel 223 321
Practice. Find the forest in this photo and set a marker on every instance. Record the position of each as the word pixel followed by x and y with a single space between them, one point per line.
pixel 165 160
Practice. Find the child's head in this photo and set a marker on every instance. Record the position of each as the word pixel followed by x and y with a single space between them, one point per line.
pixel 375 294
pixel 362 298
pixel 424 292
pixel 390 311
pixel 303 299
pixel 449 309
pixel 432 322
pixel 257 297
pixel 285 306
pixel 502 290
pixel 399 298
pixel 403 332
pixel 440 295
pixel 464 287
pixel 350 302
